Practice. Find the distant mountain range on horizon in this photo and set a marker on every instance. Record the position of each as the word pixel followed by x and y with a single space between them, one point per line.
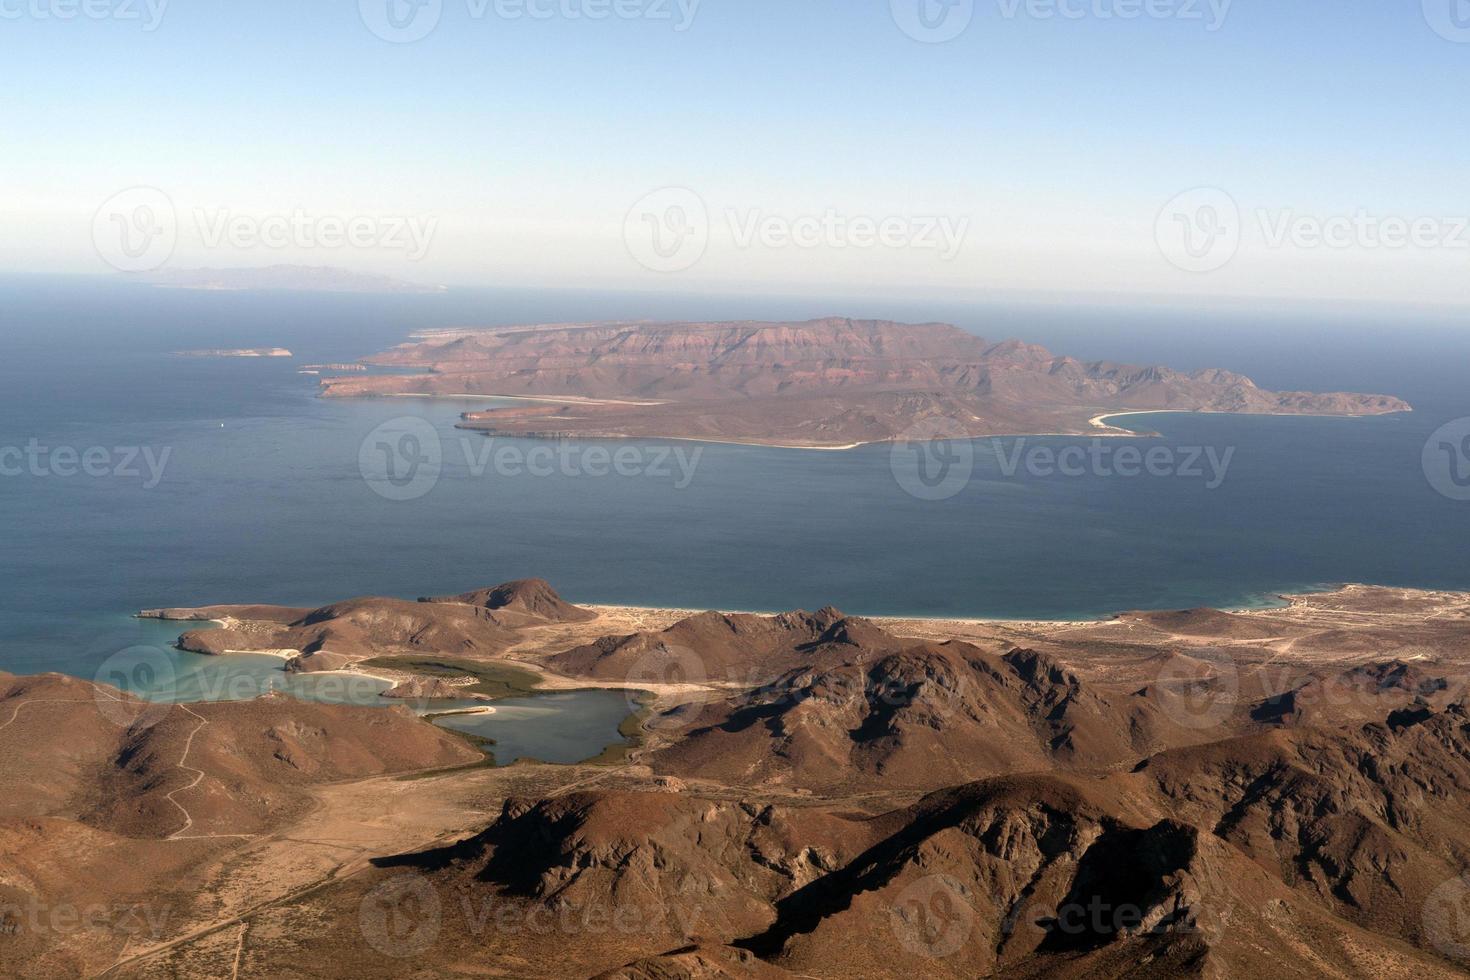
pixel 304 278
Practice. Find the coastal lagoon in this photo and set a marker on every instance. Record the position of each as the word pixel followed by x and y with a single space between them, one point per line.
pixel 262 496
pixel 555 726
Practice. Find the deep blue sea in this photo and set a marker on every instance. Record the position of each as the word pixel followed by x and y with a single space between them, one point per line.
pixel 262 496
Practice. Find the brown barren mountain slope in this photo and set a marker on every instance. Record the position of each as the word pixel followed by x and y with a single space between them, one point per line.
pixel 740 648
pixel 828 382
pixel 888 713
pixel 1278 792
pixel 151 770
pixel 1284 853
pixel 114 808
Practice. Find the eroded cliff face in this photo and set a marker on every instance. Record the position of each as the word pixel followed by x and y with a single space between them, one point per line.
pixel 832 381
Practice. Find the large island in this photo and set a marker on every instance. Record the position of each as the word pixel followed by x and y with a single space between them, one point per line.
pixel 827 383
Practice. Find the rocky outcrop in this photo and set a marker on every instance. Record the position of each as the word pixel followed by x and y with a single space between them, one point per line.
pixel 481 623
pixel 866 709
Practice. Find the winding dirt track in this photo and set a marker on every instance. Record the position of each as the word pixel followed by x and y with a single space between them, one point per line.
pixel 181 834
pixel 341 870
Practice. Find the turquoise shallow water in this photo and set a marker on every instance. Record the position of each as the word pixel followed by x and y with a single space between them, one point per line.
pixel 263 499
pixel 565 727
pixel 556 727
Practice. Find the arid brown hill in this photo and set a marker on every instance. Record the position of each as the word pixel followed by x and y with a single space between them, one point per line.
pixel 1300 853
pixel 150 770
pixel 475 624
pixel 890 713
pixel 740 648
pixel 111 805
pixel 533 598
pixel 823 382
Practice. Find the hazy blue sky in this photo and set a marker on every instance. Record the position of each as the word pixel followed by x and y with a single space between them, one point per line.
pixel 1033 151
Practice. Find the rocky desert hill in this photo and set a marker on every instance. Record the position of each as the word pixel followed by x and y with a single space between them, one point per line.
pixel 739 648
pixel 112 805
pixel 825 382
pixel 153 770
pixel 474 624
pixel 894 713
pixel 1293 853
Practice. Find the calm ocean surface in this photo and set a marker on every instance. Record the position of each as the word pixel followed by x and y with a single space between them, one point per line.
pixel 262 497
